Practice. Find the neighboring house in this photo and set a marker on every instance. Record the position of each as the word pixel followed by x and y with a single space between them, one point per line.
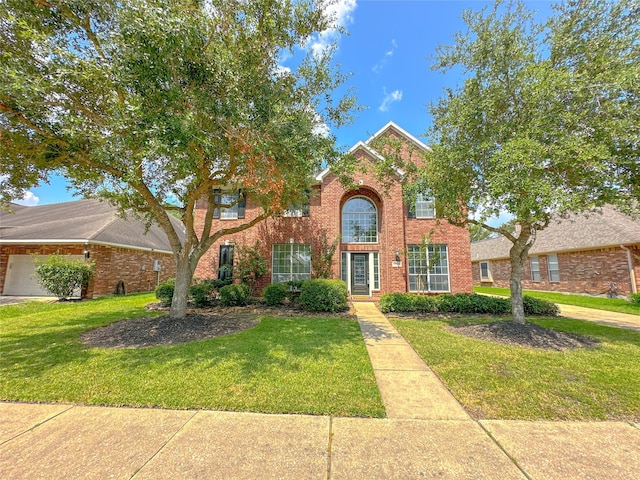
pixel 380 247
pixel 590 254
pixel 123 250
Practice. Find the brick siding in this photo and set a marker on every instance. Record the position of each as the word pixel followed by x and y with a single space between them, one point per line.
pixel 133 267
pixel 395 232
pixel 589 271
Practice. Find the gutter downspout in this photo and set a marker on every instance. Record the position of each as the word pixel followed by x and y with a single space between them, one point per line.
pixel 632 275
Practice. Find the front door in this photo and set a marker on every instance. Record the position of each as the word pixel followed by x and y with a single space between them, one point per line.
pixel 360 274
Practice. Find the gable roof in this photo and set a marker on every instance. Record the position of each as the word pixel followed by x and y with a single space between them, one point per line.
pixel 602 228
pixel 366 146
pixel 81 221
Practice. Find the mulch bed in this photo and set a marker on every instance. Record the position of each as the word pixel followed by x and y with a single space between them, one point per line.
pixel 527 335
pixel 198 324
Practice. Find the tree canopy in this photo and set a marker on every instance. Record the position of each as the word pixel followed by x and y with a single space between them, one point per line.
pixel 546 121
pixel 156 104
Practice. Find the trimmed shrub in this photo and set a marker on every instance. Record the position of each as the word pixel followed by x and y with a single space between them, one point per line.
pixel 537 306
pixel 60 276
pixel 275 293
pixel 635 297
pixel 407 302
pixel 202 293
pixel 164 292
pixel 234 295
pixel 322 295
pixel 471 303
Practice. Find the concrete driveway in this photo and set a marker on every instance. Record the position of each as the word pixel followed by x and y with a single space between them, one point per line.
pixel 10 299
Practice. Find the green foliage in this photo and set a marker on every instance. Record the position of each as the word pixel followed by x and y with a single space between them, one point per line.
pixel 473 304
pixel 322 295
pixel 539 307
pixel 151 104
pixel 545 122
pixel 234 295
pixel 322 258
pixel 462 303
pixel 407 302
pixel 164 292
pixel 60 276
pixel 201 293
pixel 635 297
pixel 275 293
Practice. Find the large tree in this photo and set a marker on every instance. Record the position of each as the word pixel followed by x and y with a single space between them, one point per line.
pixel 544 123
pixel 157 104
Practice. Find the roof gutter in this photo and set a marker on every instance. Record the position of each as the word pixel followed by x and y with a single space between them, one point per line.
pixel 632 275
pixel 81 241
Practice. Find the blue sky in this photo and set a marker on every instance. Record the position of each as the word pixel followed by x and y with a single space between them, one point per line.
pixel 388 51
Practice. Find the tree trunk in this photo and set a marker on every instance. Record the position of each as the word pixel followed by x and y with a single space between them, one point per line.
pixel 184 276
pixel 518 255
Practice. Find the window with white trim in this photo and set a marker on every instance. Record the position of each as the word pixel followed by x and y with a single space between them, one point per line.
pixel 376 271
pixel 428 268
pixel 485 272
pixel 359 221
pixel 425 206
pixel 553 268
pixel 534 265
pixel 300 209
pixel 236 204
pixel 290 261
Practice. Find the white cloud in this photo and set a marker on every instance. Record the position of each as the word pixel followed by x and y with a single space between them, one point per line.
pixel 389 98
pixel 340 14
pixel 387 55
pixel 29 199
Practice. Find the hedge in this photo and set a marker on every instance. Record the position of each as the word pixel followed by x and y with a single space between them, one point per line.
pixel 463 303
pixel 322 295
pixel 275 293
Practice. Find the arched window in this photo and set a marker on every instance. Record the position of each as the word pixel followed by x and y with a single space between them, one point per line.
pixel 359 221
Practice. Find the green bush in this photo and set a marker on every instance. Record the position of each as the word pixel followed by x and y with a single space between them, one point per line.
pixel 164 292
pixel 61 276
pixel 635 297
pixel 471 303
pixel 537 306
pixel 202 293
pixel 275 293
pixel 234 295
pixel 407 302
pixel 322 295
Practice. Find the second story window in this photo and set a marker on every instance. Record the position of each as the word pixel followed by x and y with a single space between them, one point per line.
pixel 298 209
pixel 425 206
pixel 359 221
pixel 234 200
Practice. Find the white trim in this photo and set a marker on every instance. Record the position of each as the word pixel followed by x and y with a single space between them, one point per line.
pixel 402 132
pixel 489 277
pixel 56 241
pixel 377 221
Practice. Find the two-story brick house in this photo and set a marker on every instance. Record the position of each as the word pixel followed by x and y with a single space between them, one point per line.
pixel 381 240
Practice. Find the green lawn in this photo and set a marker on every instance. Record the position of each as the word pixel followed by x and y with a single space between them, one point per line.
pixel 499 381
pixel 610 304
pixel 284 365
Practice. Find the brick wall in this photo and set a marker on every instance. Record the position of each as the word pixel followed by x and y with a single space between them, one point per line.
pixel 590 271
pixel 133 267
pixel 395 231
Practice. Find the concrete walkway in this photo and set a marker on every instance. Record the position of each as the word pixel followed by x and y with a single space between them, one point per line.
pixel 427 435
pixel 614 319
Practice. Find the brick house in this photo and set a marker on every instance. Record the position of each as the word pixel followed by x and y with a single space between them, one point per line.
pixel 122 249
pixel 380 247
pixel 581 254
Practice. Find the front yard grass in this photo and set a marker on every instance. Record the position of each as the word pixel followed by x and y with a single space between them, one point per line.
pixel 284 365
pixel 494 381
pixel 609 304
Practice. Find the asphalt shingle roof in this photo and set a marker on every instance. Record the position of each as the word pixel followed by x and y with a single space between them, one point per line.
pixel 597 229
pixel 81 220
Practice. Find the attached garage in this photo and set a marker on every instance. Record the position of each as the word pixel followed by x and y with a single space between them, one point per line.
pixel 21 277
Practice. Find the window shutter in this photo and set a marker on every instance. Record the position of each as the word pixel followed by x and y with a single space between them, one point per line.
pixel 438 209
pixel 242 200
pixel 216 199
pixel 411 214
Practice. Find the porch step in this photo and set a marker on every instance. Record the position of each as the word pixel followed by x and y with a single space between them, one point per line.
pixel 360 298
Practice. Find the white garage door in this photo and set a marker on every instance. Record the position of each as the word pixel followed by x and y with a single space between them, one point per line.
pixel 21 276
